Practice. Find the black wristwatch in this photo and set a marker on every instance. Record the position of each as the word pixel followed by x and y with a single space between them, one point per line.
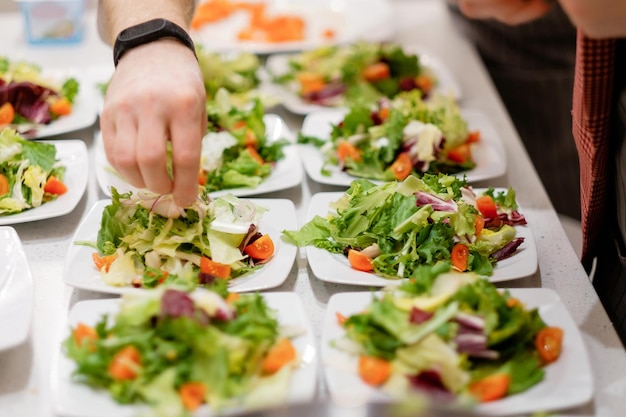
pixel 147 32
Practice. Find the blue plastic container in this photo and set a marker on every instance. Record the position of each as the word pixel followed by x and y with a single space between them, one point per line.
pixel 53 21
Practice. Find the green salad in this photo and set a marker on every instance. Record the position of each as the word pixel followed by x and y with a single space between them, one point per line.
pixel 399 137
pixel 174 351
pixel 394 228
pixel 361 72
pixel 30 173
pixel 236 151
pixel 29 98
pixel 146 240
pixel 452 335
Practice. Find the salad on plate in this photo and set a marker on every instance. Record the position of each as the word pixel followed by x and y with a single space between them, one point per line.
pixel 236 151
pixel 30 173
pixel 145 240
pixel 398 137
pixel 360 72
pixel 173 351
pixel 451 335
pixel 393 229
pixel 29 99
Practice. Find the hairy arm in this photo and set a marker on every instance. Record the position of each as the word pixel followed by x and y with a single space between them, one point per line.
pixel 116 15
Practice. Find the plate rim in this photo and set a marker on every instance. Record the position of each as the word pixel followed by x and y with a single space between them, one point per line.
pixel 16 295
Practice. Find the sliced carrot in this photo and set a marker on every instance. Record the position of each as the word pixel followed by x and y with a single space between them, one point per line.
pixel 202 177
pixel 282 353
pixel 473 137
pixel 374 371
pixel 459 256
pixel 211 11
pixel 61 107
pixel 310 82
pixel 341 319
pixel 328 34
pixel 359 261
pixel 490 388
pixel 548 342
pixel 55 186
pixel 402 166
pixel 512 302
pixel 424 83
pixel 232 297
pixel 192 394
pixel 255 154
pixel 487 207
pixel 7 113
pixel 346 150
pixel 85 334
pixel 4 185
pixel 383 113
pixel 376 72
pixel 125 364
pixel 104 261
pixel 250 138
pixel 479 224
pixel 261 249
pixel 216 269
pixel 460 154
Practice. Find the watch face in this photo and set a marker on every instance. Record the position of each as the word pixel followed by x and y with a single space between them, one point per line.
pixel 143 29
pixel 146 32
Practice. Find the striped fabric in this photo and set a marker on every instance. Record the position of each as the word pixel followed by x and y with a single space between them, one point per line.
pixel 593 89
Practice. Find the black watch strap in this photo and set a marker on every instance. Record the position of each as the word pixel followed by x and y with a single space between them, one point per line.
pixel 147 32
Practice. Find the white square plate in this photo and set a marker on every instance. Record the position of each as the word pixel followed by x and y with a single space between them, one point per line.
pixel 488 153
pixel 335 268
pixel 16 290
pixel 72 153
pixel 77 400
pixel 568 382
pixel 350 20
pixel 80 272
pixel 285 174
pixel 279 64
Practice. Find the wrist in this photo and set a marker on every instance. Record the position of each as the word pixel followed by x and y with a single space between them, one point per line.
pixel 148 32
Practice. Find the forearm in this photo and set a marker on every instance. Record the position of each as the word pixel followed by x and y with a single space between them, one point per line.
pixel 598 18
pixel 116 15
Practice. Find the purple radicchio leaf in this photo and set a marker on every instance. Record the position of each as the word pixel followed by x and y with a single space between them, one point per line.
pixel 438 204
pixel 507 250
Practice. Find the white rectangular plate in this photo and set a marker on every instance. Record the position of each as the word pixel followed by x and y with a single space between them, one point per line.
pixel 80 272
pixel 488 153
pixel 336 268
pixel 285 174
pixel 72 153
pixel 568 382
pixel 77 400
pixel 350 20
pixel 279 64
pixel 16 290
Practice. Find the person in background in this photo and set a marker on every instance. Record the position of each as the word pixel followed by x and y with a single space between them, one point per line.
pixel 599 121
pixel 156 97
pixel 532 66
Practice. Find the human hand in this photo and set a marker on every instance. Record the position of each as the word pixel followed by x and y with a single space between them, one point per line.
pixel 510 12
pixel 598 18
pixel 156 95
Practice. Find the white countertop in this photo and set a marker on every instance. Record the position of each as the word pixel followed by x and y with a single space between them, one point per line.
pixel 25 370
